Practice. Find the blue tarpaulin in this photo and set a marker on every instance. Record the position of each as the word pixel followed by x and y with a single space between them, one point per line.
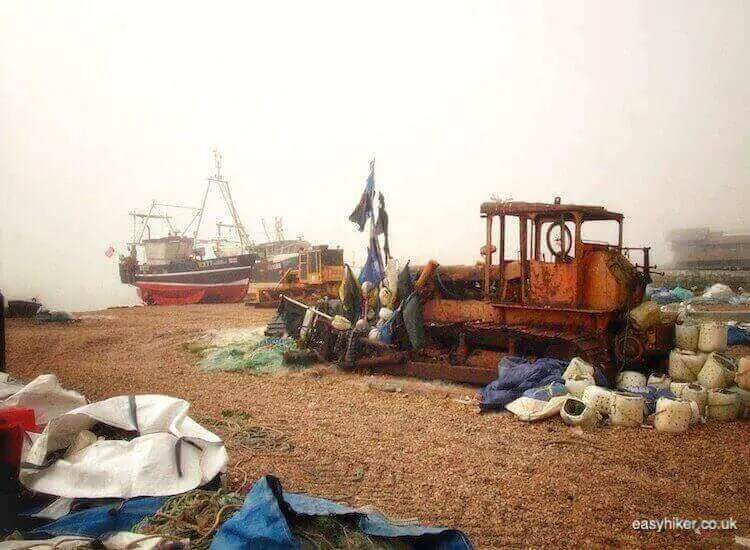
pixel 262 522
pixel 413 320
pixel 97 521
pixel 737 336
pixel 373 269
pixel 518 374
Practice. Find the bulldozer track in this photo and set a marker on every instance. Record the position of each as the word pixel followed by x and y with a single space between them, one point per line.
pixel 590 347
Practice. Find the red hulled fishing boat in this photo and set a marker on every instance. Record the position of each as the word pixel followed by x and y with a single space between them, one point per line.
pixel 173 269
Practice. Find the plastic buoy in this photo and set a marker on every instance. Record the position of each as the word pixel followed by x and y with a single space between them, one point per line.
pixel 713 337
pixel 672 415
pixel 599 398
pixel 630 379
pixel 627 409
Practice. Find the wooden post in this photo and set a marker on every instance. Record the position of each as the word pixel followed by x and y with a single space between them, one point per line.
pixel 524 246
pixel 578 260
pixel 537 239
pixel 501 256
pixel 488 258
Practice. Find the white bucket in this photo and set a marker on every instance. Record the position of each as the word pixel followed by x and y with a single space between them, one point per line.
pixel 598 398
pixel 698 395
pixel 578 367
pixel 678 387
pixel 722 404
pixel 742 378
pixel 577 413
pixel 578 384
pixel 684 365
pixel 630 379
pixel 744 402
pixel 660 381
pixel 686 336
pixel 627 410
pixel 672 415
pixel 713 337
pixel 718 371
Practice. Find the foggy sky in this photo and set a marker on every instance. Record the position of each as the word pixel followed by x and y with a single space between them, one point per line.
pixel 640 106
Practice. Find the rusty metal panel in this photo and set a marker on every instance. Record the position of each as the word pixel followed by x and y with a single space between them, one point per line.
pixel 553 283
pixel 452 311
pixel 601 289
pixel 456 373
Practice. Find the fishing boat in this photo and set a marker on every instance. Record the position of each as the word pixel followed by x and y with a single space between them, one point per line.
pixel 174 269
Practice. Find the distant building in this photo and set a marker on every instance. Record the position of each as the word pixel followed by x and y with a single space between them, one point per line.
pixel 701 248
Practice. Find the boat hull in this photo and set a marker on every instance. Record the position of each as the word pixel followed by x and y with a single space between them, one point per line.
pixel 223 280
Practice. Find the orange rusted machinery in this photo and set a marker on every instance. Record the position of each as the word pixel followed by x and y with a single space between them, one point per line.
pixel 562 296
pixel 318 273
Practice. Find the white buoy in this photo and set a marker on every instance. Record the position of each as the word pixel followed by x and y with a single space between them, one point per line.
pixel 627 409
pixel 672 415
pixel 686 336
pixel 698 395
pixel 684 365
pixel 630 379
pixel 660 381
pixel 742 378
pixel 577 413
pixel 578 367
pixel 713 337
pixel 578 383
pixel 722 405
pixel 717 372
pixel 599 398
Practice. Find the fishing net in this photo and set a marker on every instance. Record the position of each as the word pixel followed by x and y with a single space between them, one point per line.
pixel 260 357
pixel 196 515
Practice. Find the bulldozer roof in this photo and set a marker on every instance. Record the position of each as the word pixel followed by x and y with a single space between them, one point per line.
pixel 551 210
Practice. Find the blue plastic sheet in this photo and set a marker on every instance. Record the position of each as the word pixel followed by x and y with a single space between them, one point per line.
pixel 737 336
pixel 545 393
pixel 97 521
pixel 516 375
pixel 413 320
pixel 373 269
pixel 262 522
pixel 663 296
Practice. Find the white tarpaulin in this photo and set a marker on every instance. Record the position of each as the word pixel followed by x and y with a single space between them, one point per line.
pixel 170 454
pixel 43 394
pixel 529 409
pixel 115 541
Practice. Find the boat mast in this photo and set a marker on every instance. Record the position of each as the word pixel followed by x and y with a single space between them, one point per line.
pixel 226 194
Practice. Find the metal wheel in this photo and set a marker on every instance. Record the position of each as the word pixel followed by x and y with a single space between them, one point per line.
pixel 629 348
pixel 559 242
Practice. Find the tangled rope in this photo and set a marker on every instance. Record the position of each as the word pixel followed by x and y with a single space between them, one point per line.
pixel 196 515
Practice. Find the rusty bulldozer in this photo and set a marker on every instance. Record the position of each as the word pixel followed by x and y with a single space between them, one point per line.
pixel 564 296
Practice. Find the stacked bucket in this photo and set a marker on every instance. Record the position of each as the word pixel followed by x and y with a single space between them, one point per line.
pixel 703 373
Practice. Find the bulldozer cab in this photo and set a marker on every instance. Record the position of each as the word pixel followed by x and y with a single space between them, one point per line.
pixel 554 265
pixel 320 264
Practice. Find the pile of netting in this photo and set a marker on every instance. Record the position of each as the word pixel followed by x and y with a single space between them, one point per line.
pixel 199 514
pixel 196 515
pixel 263 356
